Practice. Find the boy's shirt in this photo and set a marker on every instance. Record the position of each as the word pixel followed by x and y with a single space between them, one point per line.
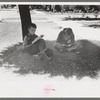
pixel 29 38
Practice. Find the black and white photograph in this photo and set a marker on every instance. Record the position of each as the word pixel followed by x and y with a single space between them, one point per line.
pixel 50 49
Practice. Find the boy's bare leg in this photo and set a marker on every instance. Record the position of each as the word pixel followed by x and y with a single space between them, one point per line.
pixel 76 46
pixel 42 48
pixel 59 47
pixel 43 56
pixel 42 51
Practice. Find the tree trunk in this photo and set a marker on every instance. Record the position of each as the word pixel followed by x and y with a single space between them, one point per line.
pixel 25 18
pixel 53 6
pixel 62 9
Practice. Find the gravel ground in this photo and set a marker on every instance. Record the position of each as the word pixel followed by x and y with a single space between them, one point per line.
pixel 84 63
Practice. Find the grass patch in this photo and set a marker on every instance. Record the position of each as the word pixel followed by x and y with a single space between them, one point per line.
pixel 85 63
pixel 94 24
pixel 80 19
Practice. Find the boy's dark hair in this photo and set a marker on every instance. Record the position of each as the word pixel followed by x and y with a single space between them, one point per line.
pixel 64 29
pixel 32 25
pixel 69 31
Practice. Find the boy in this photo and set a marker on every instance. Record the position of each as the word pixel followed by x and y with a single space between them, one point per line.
pixel 66 41
pixel 35 45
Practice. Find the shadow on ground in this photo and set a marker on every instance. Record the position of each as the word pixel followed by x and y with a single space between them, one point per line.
pixel 94 26
pixel 85 63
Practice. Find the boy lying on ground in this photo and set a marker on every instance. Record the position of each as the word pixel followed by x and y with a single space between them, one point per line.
pixel 66 41
pixel 35 45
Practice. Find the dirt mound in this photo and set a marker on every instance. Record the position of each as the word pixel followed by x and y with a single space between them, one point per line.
pixel 85 62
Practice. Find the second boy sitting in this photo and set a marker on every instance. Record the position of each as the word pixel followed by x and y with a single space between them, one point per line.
pixel 66 41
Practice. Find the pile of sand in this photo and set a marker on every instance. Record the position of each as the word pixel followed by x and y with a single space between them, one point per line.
pixel 84 63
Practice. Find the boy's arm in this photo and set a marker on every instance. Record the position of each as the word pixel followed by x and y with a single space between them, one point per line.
pixel 59 38
pixel 72 39
pixel 37 38
pixel 25 42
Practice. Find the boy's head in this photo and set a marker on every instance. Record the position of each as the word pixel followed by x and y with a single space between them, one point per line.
pixel 67 33
pixel 32 28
